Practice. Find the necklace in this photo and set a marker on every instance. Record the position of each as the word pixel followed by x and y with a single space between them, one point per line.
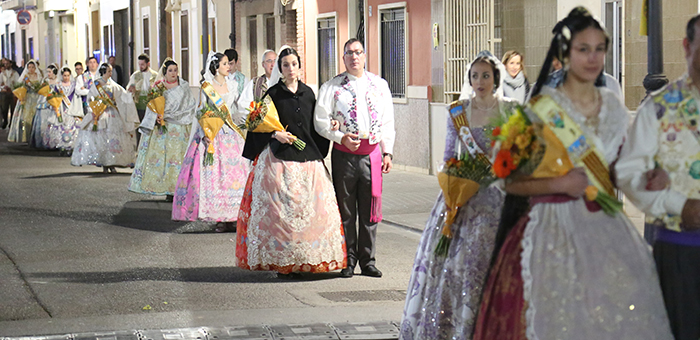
pixel 592 118
pixel 175 82
pixel 485 109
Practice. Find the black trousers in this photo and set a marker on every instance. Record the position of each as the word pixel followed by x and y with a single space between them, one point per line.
pixel 6 102
pixel 679 274
pixel 353 189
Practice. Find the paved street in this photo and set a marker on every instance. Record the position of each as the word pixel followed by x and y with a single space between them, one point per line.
pixel 80 253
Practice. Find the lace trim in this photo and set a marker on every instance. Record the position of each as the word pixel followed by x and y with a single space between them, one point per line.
pixel 613 124
pixel 526 272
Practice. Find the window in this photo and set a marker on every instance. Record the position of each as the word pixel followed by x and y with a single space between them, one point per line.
pixel 13 47
pixel 212 34
pixel 269 32
pixel 185 45
pixel 393 50
pixel 146 37
pixel 6 52
pixel 327 54
pixel 253 46
pixel 31 48
pixel 497 46
pixel 613 26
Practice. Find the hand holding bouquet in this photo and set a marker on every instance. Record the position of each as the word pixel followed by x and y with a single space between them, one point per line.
pixel 211 119
pixel 263 118
pixel 55 98
pixel 156 102
pixel 43 88
pixel 548 156
pixel 98 106
pixel 20 91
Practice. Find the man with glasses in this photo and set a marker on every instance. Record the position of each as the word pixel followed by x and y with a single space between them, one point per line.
pixel 256 87
pixel 361 103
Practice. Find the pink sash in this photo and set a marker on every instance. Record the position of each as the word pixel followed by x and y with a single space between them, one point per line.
pixel 375 164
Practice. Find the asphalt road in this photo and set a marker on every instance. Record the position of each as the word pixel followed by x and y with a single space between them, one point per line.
pixel 80 253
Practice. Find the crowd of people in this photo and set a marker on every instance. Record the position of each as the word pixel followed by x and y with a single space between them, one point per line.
pixel 289 214
pixel 529 257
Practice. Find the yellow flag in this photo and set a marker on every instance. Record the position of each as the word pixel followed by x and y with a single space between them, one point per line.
pixel 645 18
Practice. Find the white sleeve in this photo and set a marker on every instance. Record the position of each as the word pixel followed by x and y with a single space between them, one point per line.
pixel 79 90
pixel 245 98
pixel 636 158
pixel 388 131
pixel 323 113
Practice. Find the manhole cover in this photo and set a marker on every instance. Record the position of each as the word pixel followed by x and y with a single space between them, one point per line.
pixel 365 295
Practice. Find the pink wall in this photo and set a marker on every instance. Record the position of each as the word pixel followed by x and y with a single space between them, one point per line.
pixel 419 40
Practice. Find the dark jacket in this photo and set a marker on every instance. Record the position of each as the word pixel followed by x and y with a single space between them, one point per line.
pixel 296 112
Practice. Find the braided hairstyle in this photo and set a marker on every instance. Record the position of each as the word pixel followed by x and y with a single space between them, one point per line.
pixel 103 69
pixel 488 58
pixel 169 62
pixel 578 20
pixel 215 62
pixel 53 69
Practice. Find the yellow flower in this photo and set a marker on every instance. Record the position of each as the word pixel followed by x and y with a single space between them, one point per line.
pixel 522 140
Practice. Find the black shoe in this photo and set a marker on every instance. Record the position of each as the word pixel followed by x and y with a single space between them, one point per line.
pixel 347 272
pixel 371 271
pixel 289 276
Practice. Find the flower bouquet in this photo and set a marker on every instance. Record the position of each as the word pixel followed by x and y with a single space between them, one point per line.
pixel 547 156
pixel 263 118
pixel 460 179
pixel 20 91
pixel 55 98
pixel 42 88
pixel 211 119
pixel 99 105
pixel 156 102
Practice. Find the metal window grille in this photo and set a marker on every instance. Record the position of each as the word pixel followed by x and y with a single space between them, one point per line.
pixel 613 26
pixel 470 27
pixel 393 52
pixel 327 54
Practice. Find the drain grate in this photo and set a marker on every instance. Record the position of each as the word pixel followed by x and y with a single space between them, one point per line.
pixel 364 295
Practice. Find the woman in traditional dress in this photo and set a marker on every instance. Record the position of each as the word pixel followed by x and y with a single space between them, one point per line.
pixel 444 291
pixel 164 141
pixel 289 220
pixel 110 141
pixel 515 85
pixel 44 113
pixel 567 269
pixel 61 135
pixel 213 192
pixel 21 125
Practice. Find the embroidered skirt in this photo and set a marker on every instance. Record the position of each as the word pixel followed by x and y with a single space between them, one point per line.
pixel 289 219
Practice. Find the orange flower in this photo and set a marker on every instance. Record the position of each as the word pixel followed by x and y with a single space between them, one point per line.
pixel 496 132
pixel 503 165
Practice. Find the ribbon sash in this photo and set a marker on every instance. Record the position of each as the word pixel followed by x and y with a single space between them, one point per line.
pixel 104 93
pixel 580 150
pixel 458 115
pixel 219 102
